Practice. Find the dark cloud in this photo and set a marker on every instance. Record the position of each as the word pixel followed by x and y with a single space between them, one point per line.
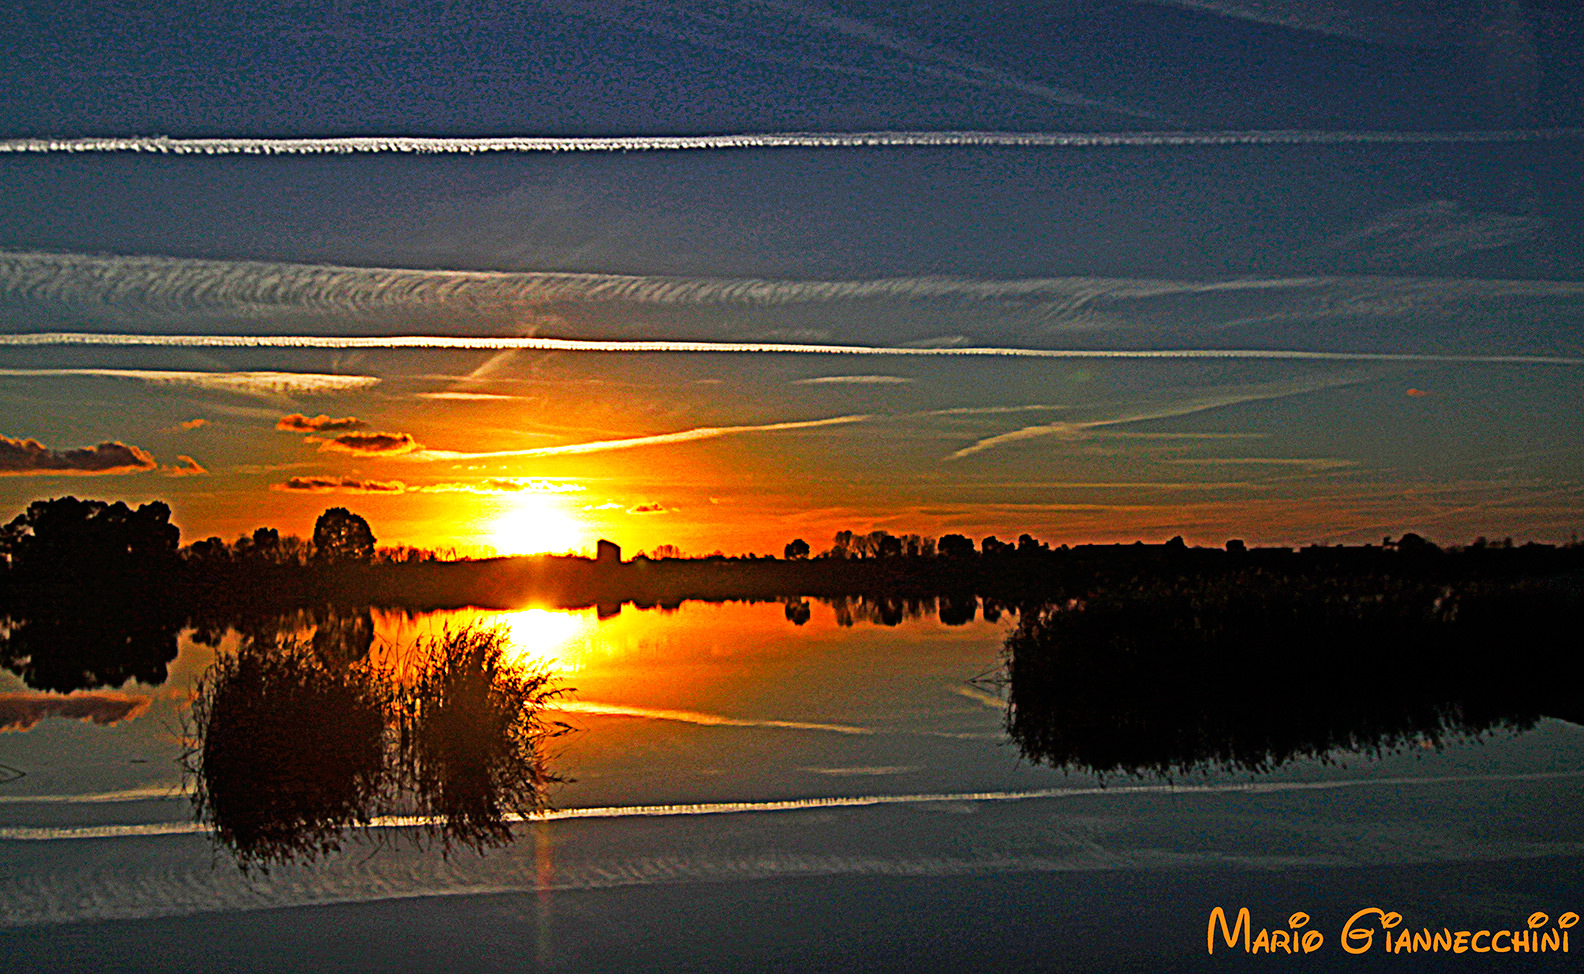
pixel 298 423
pixel 33 457
pixel 373 444
pixel 345 485
pixel 21 711
pixel 648 509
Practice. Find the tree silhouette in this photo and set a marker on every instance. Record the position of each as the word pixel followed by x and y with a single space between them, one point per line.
pixel 955 546
pixel 797 549
pixel 340 535
pixel 66 540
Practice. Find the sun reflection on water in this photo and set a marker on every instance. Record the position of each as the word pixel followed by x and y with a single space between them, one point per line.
pixel 544 639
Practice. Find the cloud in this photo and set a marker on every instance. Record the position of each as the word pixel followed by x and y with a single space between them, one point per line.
pixel 341 485
pixel 1374 23
pixel 22 711
pixel 372 444
pixel 647 509
pixel 465 396
pixel 33 457
pixel 298 423
pixel 443 145
pixel 855 380
pixel 187 467
pixel 266 384
pixel 192 424
pixel 1144 411
pixel 1417 392
pixel 1439 231
pixel 634 442
pixel 502 485
pixel 771 348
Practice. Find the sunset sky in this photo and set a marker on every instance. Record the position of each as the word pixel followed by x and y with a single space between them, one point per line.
pixel 1366 325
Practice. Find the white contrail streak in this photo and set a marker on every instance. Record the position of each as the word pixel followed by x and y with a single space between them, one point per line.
pixel 528 343
pixel 25 833
pixel 450 145
pixel 634 442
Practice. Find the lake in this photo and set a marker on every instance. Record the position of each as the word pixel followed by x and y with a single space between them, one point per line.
pixel 751 791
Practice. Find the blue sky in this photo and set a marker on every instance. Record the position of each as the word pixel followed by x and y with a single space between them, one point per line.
pixel 1440 277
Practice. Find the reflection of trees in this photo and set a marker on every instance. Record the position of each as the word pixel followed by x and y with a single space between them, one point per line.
pixel 80 647
pixel 1250 672
pixel 294 745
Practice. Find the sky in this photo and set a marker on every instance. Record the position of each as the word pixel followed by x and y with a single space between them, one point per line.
pixel 517 276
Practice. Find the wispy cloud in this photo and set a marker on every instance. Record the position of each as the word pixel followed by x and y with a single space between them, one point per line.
pixel 465 396
pixel 192 424
pixel 163 288
pixel 268 384
pixel 1160 409
pixel 852 380
pixel 635 442
pixel 19 457
pixel 342 485
pixel 741 348
pixel 502 485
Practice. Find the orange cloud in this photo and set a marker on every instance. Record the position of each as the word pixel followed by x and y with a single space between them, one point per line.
pixel 192 424
pixel 1417 392
pixel 188 467
pixel 345 485
pixel 20 457
pixel 298 423
pixel 373 444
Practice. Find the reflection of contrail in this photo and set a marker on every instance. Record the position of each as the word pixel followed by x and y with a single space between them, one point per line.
pixel 486 343
pixel 49 833
pixel 691 717
pixel 445 145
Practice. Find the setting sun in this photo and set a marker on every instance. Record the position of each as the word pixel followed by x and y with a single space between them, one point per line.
pixel 536 524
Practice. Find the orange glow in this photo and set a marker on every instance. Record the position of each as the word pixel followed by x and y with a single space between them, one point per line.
pixel 536 524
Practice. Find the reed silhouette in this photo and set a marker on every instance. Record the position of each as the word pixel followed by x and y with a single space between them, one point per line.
pixel 296 746
pixel 290 751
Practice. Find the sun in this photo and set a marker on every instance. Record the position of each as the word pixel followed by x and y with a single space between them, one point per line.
pixel 536 524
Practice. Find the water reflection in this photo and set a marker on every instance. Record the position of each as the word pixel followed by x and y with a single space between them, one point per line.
pixel 1250 672
pixel 62 648
pixel 295 744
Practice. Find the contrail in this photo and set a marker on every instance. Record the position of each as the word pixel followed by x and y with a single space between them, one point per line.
pixel 25 833
pixel 528 343
pixel 454 145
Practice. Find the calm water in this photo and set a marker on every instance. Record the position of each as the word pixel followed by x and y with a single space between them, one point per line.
pixel 723 757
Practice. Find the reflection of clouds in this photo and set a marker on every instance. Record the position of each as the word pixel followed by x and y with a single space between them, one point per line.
pixel 23 711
